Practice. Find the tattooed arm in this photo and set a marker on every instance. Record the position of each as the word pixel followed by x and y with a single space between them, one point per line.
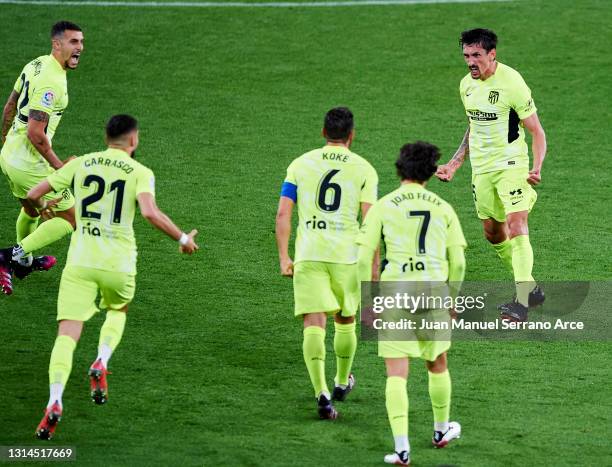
pixel 8 114
pixel 37 122
pixel 447 171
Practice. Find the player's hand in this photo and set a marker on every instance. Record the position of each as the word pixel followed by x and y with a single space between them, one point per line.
pixel 286 267
pixel 191 246
pixel 445 173
pixel 535 177
pixel 47 212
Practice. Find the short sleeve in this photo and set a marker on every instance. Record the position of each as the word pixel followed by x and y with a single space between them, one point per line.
pixel 520 98
pixel 454 236
pixel 145 183
pixel 291 178
pixel 369 190
pixel 44 98
pixel 19 84
pixel 63 177
pixel 462 92
pixel 371 228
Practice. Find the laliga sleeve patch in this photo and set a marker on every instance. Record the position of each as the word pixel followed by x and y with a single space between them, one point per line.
pixel 48 99
pixel 152 183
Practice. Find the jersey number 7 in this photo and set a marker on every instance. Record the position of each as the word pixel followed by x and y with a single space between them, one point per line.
pixel 424 224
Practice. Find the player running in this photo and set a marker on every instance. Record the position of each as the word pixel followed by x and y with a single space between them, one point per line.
pixel 424 242
pixel 498 105
pixel 330 186
pixel 102 253
pixel 29 121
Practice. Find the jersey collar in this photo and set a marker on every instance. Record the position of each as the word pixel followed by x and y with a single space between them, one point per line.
pixel 336 148
pixel 57 64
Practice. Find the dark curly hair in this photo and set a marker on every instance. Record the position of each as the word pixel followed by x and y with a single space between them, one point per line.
pixel 417 161
pixel 120 125
pixel 338 123
pixel 485 38
pixel 58 28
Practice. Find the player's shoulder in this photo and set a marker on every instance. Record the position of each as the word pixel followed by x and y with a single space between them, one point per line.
pixel 361 161
pixel 463 84
pixel 444 205
pixel 307 156
pixel 509 73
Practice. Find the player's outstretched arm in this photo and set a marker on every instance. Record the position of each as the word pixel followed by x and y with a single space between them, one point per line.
pixel 538 147
pixel 37 122
pixel 8 114
pixel 446 171
pixel 161 221
pixel 283 232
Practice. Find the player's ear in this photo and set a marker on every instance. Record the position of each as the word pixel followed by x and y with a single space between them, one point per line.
pixel 493 54
pixel 351 137
pixel 324 133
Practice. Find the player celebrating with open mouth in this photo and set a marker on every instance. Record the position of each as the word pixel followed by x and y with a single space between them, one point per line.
pixel 498 105
pixel 29 121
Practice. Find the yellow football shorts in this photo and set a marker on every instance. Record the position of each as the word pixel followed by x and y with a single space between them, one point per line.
pixel 79 290
pixel 499 193
pixel 426 344
pixel 326 287
pixel 20 182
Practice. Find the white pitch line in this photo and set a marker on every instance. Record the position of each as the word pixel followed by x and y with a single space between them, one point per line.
pixel 195 4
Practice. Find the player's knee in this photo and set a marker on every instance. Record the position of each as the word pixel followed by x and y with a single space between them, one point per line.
pixel 517 225
pixel 495 236
pixel 28 208
pixel 315 319
pixel 494 232
pixel 343 319
pixel 397 367
pixel 439 365
pixel 70 328
pixel 69 216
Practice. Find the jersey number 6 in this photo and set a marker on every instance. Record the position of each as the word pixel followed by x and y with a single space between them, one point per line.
pixel 325 185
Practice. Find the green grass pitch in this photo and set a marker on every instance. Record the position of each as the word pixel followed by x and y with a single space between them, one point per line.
pixel 210 370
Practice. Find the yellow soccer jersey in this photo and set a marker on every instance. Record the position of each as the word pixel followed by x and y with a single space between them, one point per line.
pixel 41 86
pixel 494 108
pixel 106 185
pixel 328 185
pixel 417 227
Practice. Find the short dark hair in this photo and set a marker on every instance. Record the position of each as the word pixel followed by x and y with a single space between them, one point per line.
pixel 417 161
pixel 120 125
pixel 58 28
pixel 485 38
pixel 338 123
